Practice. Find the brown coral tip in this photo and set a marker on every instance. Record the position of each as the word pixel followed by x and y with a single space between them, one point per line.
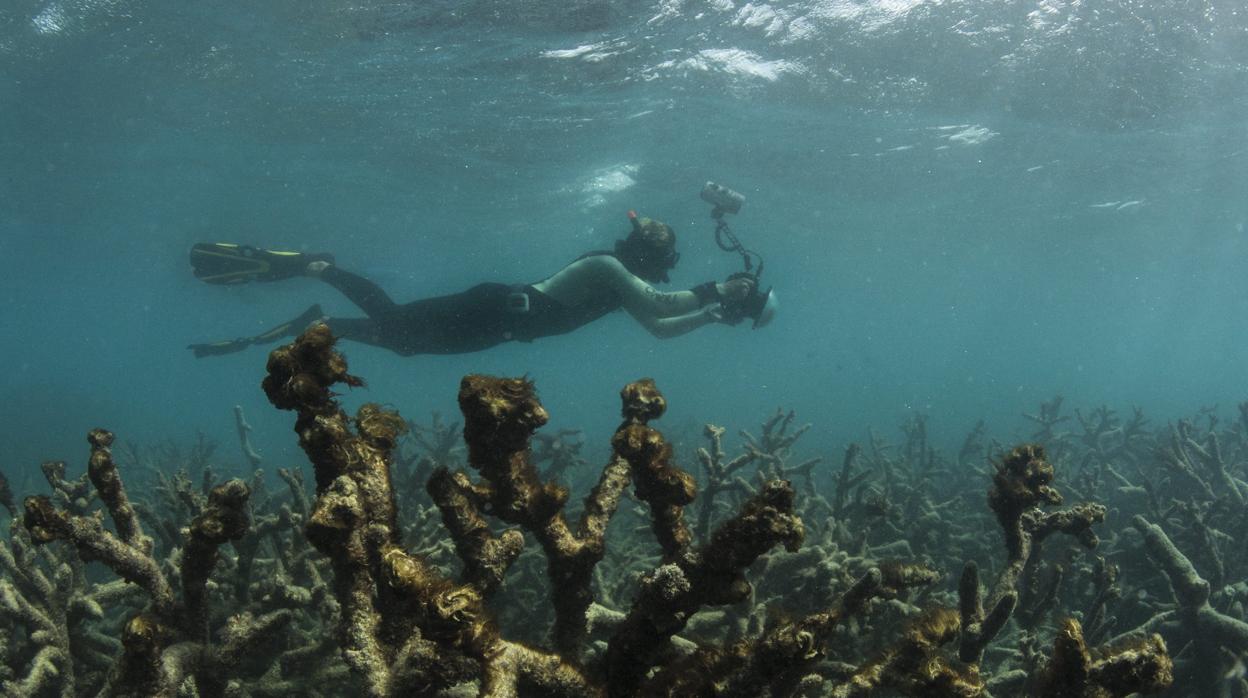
pixel 43 520
pixel 500 407
pixel 1023 479
pixel 642 401
pixel 300 373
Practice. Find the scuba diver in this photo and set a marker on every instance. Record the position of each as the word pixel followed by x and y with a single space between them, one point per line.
pixel 489 314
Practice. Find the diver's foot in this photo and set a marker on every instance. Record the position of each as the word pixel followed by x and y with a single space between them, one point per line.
pixel 307 318
pixel 315 268
pixel 227 263
pixel 290 328
pixel 228 346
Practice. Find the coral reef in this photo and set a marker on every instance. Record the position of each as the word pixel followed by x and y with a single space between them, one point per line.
pixel 169 641
pixel 452 558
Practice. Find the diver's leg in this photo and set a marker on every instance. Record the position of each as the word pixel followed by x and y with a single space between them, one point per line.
pixel 363 330
pixel 464 322
pixel 461 323
pixel 364 293
pixel 289 328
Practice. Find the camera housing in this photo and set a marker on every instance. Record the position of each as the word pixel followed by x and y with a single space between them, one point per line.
pixel 722 198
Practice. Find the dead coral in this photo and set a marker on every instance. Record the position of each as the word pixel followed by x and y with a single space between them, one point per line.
pixel 838 617
pixel 1195 620
pixel 47 594
pixel 1141 667
pixel 1022 483
pixel 403 627
pixel 168 643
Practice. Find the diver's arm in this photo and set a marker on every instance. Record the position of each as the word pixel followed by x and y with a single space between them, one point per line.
pixel 572 284
pixel 668 327
pixel 643 300
pixel 586 278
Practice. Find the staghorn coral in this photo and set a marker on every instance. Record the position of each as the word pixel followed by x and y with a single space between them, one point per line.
pixel 714 576
pixel 1198 622
pixel 665 603
pixel 47 593
pixel 403 627
pixel 1141 667
pixel 407 627
pixel 1021 484
pixel 169 642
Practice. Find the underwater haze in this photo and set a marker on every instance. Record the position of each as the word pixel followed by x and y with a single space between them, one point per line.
pixel 964 207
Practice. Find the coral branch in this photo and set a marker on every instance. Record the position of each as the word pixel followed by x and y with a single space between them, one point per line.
pixel 1022 482
pixel 47 523
pixel 254 459
pixel 500 416
pixel 1191 591
pixel 1143 667
pixel 486 558
pixel 223 519
pixel 718 474
pixel 913 666
pixel 665 487
pixel 107 481
pixel 712 576
pixel 403 627
pixel 6 496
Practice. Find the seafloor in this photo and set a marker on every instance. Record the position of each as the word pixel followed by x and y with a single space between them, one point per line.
pixel 1103 558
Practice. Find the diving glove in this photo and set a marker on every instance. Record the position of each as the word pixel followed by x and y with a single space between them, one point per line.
pixel 759 306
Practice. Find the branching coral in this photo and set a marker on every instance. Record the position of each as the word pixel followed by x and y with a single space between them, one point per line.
pixel 1198 622
pixel 169 642
pixel 1141 667
pixel 1022 483
pixel 49 596
pixel 777 661
pixel 672 603
pixel 403 627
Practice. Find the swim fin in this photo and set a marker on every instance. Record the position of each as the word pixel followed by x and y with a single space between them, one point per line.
pixel 228 346
pixel 227 263
pixel 289 328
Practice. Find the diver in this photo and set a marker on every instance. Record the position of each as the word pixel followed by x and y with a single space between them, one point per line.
pixel 489 314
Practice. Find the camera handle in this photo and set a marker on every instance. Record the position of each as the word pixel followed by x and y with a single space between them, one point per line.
pixel 724 232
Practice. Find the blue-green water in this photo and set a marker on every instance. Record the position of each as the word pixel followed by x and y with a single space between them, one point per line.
pixel 966 207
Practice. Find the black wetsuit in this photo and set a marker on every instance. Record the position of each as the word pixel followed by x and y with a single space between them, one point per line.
pixel 483 316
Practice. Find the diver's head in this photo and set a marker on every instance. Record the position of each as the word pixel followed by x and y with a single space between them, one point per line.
pixel 649 251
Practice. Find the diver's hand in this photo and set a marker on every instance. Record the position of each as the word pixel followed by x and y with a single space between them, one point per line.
pixel 734 296
pixel 717 314
pixel 735 290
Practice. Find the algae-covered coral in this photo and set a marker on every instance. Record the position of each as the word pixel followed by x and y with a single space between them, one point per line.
pixel 1096 562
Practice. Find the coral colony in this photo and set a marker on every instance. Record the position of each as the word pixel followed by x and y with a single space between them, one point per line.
pixel 421 563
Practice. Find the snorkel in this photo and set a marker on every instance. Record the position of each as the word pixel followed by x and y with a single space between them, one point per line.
pixel 649 250
pixel 635 222
pixel 760 305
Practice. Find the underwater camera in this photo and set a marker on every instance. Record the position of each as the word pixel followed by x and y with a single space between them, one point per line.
pixel 722 198
pixel 760 305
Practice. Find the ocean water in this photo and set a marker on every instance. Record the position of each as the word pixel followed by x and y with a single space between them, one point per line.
pixel 965 208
